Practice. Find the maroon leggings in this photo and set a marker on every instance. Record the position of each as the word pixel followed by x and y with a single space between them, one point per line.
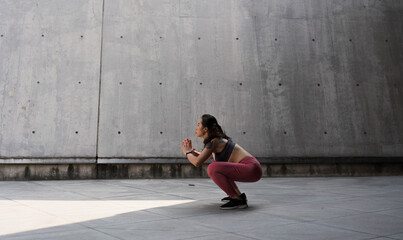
pixel 225 173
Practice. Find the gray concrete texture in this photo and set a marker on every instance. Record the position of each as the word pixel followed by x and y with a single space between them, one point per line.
pixel 279 209
pixel 130 79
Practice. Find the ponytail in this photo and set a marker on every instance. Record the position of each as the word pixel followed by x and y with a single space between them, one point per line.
pixel 214 129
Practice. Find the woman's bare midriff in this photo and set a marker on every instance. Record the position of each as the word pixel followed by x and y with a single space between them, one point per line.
pixel 237 155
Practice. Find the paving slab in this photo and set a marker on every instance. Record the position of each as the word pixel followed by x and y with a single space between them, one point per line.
pixel 279 208
pixel 305 231
pixel 373 223
pixel 397 236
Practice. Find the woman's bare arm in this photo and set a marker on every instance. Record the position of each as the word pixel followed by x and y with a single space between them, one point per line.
pixel 198 161
pixel 196 158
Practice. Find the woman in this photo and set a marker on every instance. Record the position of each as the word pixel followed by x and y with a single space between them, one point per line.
pixel 231 162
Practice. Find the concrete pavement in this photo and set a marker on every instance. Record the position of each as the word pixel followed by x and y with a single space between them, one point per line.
pixel 279 208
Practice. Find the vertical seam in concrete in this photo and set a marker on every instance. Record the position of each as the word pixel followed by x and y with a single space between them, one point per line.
pixel 100 77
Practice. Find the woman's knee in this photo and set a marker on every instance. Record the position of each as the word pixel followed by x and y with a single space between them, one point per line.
pixel 258 173
pixel 211 169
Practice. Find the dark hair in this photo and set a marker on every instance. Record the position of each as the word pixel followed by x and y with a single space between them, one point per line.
pixel 214 129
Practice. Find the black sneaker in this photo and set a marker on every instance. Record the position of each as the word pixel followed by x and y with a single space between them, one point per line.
pixel 234 203
pixel 227 199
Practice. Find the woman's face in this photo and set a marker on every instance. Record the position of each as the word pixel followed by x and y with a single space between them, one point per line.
pixel 200 130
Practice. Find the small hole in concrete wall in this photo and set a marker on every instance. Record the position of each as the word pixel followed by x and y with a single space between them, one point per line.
pixel 160 83
pixel 313 39
pixel 237 38
pixel 37 82
pixel 79 82
pixel 121 36
pixel 1 35
pixel 275 39
pixel 365 133
pixel 325 132
pixel 43 35
pixel 386 40
pixel 199 38
pixel 201 83
pixel 244 132
pixel 120 83
pixel 161 132
pixel 358 84
pixel 240 84
pixel 160 37
pixel 119 132
pixel 279 84
pixel 285 132
pixel 318 84
pixel 351 40
pixel 82 36
pixel 76 132
pixel 33 132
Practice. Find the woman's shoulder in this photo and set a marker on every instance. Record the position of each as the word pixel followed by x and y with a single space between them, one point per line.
pixel 220 139
pixel 214 142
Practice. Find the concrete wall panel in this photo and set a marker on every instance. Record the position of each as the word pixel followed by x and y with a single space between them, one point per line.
pixel 49 77
pixel 337 47
pixel 182 65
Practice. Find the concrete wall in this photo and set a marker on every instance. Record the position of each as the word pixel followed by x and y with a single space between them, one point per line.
pixel 129 79
pixel 49 78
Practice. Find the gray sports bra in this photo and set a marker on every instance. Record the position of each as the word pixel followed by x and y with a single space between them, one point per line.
pixel 224 155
